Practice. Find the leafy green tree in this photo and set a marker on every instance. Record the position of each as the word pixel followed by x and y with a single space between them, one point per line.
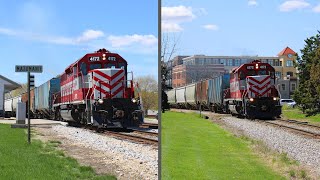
pixel 308 92
pixel 148 86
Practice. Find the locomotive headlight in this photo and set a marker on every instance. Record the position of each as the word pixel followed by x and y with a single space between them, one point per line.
pixel 251 99
pixel 274 98
pixel 103 55
pixel 134 100
pixel 104 58
pixel 100 101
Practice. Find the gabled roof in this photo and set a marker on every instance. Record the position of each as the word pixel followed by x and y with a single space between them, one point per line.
pixel 286 51
pixel 11 84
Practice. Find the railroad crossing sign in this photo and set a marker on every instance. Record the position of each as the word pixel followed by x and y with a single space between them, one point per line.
pixel 28 69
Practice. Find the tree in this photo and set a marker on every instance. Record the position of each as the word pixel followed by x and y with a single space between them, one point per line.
pixel 308 92
pixel 168 49
pixel 148 91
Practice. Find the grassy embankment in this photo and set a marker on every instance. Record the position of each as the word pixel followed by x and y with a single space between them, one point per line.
pixel 296 114
pixel 194 148
pixel 19 160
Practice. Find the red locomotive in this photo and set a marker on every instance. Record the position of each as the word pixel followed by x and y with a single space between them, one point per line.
pixel 252 91
pixel 96 90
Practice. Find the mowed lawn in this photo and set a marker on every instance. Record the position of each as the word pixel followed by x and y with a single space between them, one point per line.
pixel 195 148
pixel 19 160
pixel 296 114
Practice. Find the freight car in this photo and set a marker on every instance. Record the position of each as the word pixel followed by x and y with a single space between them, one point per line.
pixel 43 98
pixel 248 91
pixel 207 94
pixel 10 106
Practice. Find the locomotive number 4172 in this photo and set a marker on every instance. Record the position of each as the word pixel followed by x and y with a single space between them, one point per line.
pixel 94 59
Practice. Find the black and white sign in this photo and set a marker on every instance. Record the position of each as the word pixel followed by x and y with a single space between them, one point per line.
pixel 28 68
pixel 112 58
pixel 94 58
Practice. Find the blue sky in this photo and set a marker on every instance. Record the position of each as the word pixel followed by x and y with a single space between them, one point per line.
pixel 241 27
pixel 56 33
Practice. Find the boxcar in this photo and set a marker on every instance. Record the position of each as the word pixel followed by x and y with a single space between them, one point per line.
pixel 202 94
pixel 216 87
pixel 24 98
pixel 44 98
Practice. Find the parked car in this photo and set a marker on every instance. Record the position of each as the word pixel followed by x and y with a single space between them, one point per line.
pixel 289 102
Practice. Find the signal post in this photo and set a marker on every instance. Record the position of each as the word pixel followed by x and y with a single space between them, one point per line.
pixel 28 69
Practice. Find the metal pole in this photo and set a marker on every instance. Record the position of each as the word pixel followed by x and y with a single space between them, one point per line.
pixel 29 107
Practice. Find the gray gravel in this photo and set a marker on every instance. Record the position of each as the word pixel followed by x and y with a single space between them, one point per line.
pixel 120 149
pixel 298 147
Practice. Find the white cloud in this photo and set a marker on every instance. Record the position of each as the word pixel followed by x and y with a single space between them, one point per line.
pixel 211 27
pixel 86 36
pixel 293 5
pixel 172 17
pixel 89 35
pixel 6 31
pixel 127 40
pixel 171 27
pixel 252 3
pixel 316 9
pixel 177 14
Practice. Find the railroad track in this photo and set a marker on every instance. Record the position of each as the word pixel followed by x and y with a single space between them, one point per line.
pixel 149 125
pixel 296 129
pixel 133 138
pixel 146 132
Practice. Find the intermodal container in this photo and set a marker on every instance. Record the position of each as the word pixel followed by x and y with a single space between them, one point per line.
pixel 216 87
pixel 43 94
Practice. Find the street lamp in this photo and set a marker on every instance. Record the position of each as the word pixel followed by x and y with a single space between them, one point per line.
pixel 288 77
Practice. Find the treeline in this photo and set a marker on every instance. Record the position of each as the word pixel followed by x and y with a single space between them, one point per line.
pixel 307 94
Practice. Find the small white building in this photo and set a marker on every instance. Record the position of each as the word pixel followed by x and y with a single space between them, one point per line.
pixel 6 85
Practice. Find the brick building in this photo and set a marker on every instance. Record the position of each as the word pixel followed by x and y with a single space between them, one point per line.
pixel 187 74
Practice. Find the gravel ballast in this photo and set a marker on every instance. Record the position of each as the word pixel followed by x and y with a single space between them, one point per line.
pixel 303 149
pixel 139 158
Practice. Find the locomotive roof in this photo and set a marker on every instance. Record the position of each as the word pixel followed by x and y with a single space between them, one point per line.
pixel 102 51
pixel 235 70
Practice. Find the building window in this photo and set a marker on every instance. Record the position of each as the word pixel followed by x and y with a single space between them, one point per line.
pixel 237 62
pixel 243 61
pixel 270 61
pixel 293 87
pixel 230 62
pixel 283 87
pixel 223 61
pixel 277 62
pixel 290 74
pixel 278 74
pixel 289 63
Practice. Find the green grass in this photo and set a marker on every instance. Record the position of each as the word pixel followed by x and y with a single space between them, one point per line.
pixel 296 114
pixel 19 160
pixel 194 148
